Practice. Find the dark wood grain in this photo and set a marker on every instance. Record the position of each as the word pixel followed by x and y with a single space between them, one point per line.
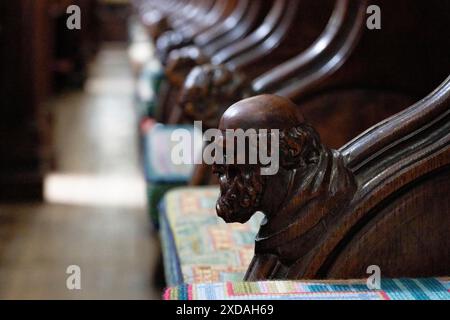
pixel 329 214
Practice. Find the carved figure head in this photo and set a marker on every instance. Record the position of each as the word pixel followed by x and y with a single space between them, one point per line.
pixel 208 90
pixel 181 61
pixel 243 189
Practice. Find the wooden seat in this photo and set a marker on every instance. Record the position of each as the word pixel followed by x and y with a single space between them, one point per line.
pixel 379 199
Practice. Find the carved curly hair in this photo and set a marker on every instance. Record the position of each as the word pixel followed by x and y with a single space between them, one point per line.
pixel 299 146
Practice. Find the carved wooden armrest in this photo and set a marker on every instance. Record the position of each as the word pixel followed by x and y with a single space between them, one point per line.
pixel 228 24
pixel 322 58
pixel 181 61
pixel 381 200
pixel 327 53
pixel 169 41
pixel 185 34
pixel 207 90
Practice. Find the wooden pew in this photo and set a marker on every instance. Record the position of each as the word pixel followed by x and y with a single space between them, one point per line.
pixel 370 70
pixel 164 17
pixel 274 41
pixel 184 35
pixel 381 199
pixel 251 59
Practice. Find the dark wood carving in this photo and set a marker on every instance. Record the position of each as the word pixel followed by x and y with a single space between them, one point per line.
pixel 181 61
pixel 332 213
pixel 279 39
pixel 207 85
pixel 206 17
pixel 311 183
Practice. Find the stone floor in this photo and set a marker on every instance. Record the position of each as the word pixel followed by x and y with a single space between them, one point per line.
pixel 94 216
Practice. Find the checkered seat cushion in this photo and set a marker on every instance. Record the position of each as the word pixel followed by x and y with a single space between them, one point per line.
pixel 391 289
pixel 198 246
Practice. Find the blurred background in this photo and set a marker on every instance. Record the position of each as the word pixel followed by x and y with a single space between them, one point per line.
pixel 71 188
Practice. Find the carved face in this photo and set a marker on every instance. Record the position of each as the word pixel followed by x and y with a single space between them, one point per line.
pixel 241 189
pixel 209 89
pixel 181 61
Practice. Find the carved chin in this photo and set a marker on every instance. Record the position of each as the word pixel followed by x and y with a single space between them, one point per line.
pixel 227 212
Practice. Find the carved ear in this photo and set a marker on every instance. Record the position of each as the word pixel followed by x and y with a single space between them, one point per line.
pixel 299 146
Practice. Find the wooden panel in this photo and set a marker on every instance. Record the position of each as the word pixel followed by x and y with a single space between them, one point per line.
pixel 405 237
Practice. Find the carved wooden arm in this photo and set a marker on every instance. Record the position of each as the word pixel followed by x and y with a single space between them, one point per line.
pixel 322 58
pixel 241 12
pixel 327 53
pixel 206 91
pixel 157 16
pixel 275 16
pixel 176 59
pixel 238 24
pixel 185 34
pixel 380 200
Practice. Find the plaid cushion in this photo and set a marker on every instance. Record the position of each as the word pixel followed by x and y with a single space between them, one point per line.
pixel 199 246
pixel 391 289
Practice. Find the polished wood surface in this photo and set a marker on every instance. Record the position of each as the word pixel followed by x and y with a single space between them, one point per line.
pixel 364 139
pixel 332 213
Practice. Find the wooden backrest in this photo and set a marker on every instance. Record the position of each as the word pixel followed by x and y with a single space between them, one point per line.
pixel 241 21
pixel 380 77
pixel 298 27
pixel 379 200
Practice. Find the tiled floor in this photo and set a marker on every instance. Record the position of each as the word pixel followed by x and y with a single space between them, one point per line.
pixel 95 212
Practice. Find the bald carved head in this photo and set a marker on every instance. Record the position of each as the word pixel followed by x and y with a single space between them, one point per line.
pixel 243 187
pixel 261 112
pixel 181 61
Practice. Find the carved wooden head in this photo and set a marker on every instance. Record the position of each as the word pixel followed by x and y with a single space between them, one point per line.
pixel 244 190
pixel 208 90
pixel 181 61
